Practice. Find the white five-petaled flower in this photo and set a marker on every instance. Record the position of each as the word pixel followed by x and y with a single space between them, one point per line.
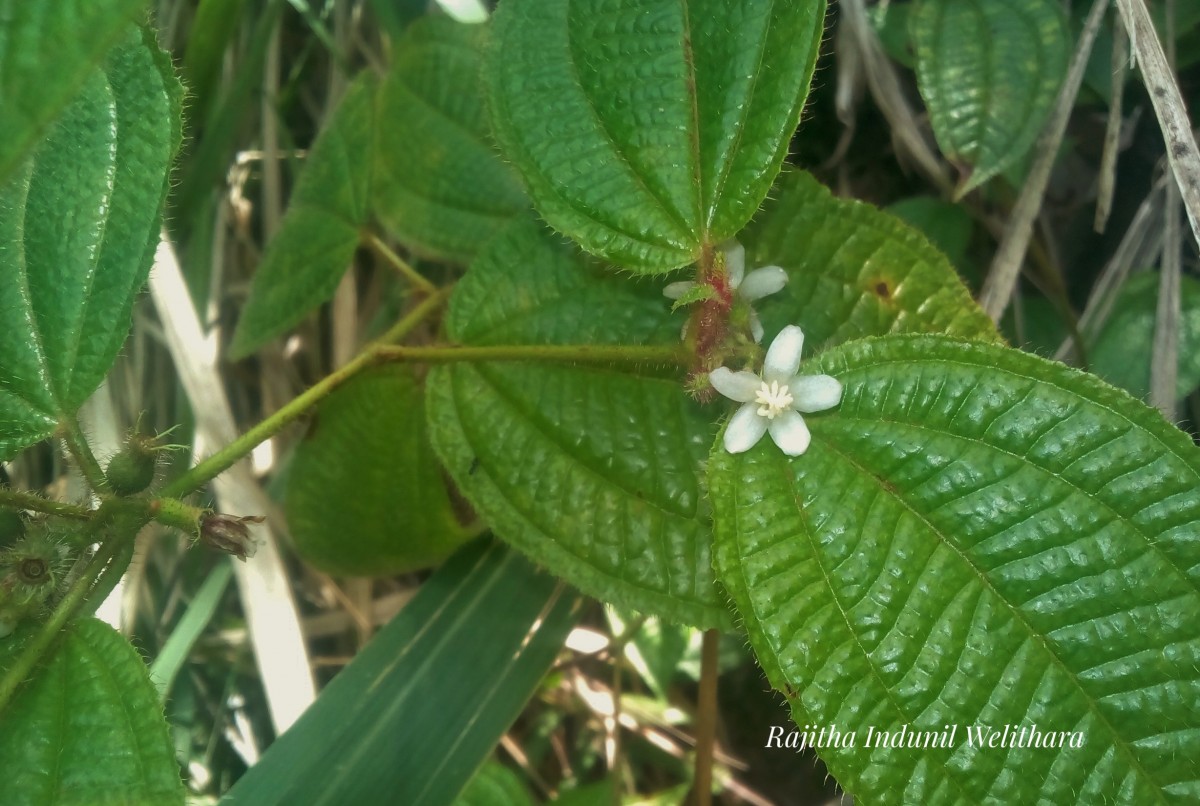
pixel 773 401
pixel 750 287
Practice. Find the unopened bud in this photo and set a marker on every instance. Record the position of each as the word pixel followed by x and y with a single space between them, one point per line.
pixel 132 469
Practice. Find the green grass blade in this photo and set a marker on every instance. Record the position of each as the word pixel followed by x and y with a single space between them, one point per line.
pixel 179 643
pixel 418 711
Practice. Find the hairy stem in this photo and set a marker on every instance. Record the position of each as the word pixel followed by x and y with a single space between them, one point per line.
pixel 419 281
pixel 570 353
pixel 31 502
pixel 178 515
pixel 228 456
pixel 77 445
pixel 76 596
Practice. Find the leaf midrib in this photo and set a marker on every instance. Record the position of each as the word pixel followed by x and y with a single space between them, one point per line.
pixel 1117 740
pixel 602 128
pixel 26 294
pixel 1151 542
pixel 710 609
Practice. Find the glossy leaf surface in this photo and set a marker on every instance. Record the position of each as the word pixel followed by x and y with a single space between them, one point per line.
pixel 854 271
pixel 89 729
pixel 592 471
pixel 47 51
pixel 78 224
pixel 989 71
pixel 977 537
pixel 647 129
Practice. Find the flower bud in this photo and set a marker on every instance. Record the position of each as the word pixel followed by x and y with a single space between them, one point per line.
pixel 229 533
pixel 31 570
pixel 132 469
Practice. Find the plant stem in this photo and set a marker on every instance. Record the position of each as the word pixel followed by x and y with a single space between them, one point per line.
pixel 124 538
pixel 382 351
pixel 178 515
pixel 228 456
pixel 419 280
pixel 31 502
pixel 40 642
pixel 571 353
pixel 78 446
pixel 706 718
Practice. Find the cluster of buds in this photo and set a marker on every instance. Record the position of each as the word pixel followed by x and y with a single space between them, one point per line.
pixel 721 297
pixel 31 571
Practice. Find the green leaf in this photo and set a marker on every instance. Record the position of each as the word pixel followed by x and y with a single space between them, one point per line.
pixel 656 652
pixel 440 187
pixel 78 225
pixel 697 293
pixel 1042 327
pixel 365 494
pixel 417 711
pixel 947 226
pixel 209 36
pixel 495 785
pixel 88 730
pixel 47 52
pixel 649 129
pixel 1123 351
pixel 591 471
pixel 977 536
pixel 174 652
pixel 854 271
pixel 989 71
pixel 316 241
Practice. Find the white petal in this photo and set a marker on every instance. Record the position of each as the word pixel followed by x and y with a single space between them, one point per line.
pixel 677 290
pixel 735 261
pixel 783 356
pixel 790 433
pixel 756 328
pixel 739 386
pixel 745 429
pixel 761 282
pixel 815 392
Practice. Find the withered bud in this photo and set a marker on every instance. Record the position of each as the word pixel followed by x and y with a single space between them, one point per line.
pixel 230 534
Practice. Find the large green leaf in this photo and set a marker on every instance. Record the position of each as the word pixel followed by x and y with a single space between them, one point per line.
pixel 328 209
pixel 412 151
pixel 1123 351
pixel 47 51
pixel 88 730
pixel 989 71
pixel 854 271
pixel 591 471
pixel 365 494
pixel 78 224
pixel 975 537
pixel 417 711
pixel 649 129
pixel 440 187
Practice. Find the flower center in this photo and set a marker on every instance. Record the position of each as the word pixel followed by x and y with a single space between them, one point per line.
pixel 773 399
